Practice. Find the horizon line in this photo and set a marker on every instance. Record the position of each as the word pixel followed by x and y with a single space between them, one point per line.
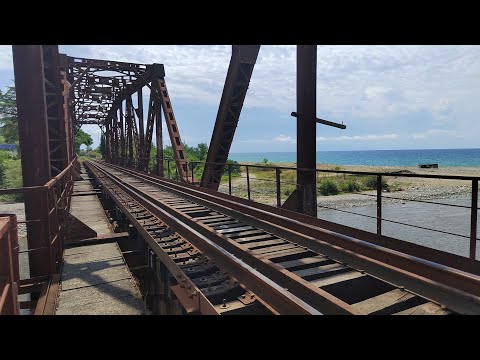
pixel 276 152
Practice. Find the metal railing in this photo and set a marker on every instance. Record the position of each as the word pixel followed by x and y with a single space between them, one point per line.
pixel 9 267
pixel 54 197
pixel 228 186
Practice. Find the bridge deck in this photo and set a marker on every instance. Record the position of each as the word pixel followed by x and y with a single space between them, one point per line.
pixel 95 278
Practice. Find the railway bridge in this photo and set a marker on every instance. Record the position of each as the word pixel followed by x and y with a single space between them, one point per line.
pixel 139 233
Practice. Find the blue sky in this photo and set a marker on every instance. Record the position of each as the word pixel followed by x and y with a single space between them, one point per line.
pixel 390 97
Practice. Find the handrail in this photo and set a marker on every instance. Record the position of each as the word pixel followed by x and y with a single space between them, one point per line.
pixel 55 179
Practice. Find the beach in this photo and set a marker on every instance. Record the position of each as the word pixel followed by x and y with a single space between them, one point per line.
pixel 412 188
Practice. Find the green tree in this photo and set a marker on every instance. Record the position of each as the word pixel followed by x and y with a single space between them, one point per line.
pixel 2 174
pixel 8 115
pixel 81 137
pixel 102 147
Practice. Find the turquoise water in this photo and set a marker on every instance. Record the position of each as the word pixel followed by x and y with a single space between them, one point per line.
pixel 443 157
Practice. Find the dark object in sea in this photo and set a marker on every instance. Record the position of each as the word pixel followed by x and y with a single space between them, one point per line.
pixel 428 166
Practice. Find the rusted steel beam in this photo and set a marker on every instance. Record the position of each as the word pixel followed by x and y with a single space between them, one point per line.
pixel 122 137
pixel 99 239
pixel 57 130
pixel 159 140
pixel 34 144
pixel 306 128
pixel 135 137
pixel 129 130
pixel 173 131
pixel 323 122
pixel 152 111
pixel 235 89
pixel 141 129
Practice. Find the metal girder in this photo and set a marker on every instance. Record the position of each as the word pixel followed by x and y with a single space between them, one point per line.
pixel 172 126
pixel 28 63
pixel 96 98
pixel 306 128
pixel 149 129
pixel 238 78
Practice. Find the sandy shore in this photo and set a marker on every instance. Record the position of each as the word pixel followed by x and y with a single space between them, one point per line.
pixel 412 188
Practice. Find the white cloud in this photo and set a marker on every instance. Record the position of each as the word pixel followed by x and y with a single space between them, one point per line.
pixel 355 81
pixel 368 84
pixel 280 139
pixel 285 139
pixel 6 62
pixel 359 137
pixel 437 132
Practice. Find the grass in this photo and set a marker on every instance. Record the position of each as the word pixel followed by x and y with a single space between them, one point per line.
pixel 12 179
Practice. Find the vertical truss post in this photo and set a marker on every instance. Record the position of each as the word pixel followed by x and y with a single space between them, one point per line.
pixel 152 111
pixel 66 110
pixel 115 137
pixel 159 140
pixel 172 127
pixel 306 128
pixel 122 136
pixel 34 144
pixel 141 131
pixel 55 111
pixel 129 127
pixel 107 140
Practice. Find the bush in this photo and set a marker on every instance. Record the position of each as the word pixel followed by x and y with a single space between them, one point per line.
pixel 234 166
pixel 370 182
pixel 328 187
pixel 352 186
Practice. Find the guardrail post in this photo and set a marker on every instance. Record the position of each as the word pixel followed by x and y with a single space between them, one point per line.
pixel 193 179
pixel 229 179
pixel 277 180
pixel 379 204
pixel 186 171
pixel 473 222
pixel 248 182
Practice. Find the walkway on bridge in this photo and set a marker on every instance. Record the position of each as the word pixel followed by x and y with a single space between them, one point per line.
pixel 95 279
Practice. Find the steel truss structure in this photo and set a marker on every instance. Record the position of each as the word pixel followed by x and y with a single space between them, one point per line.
pixel 101 93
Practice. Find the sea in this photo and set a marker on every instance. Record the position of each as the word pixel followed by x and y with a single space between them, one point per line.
pixel 442 157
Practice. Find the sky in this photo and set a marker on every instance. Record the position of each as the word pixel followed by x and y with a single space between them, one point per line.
pixel 390 97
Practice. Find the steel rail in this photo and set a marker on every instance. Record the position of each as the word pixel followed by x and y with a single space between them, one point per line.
pixel 281 300
pixel 256 274
pixel 457 289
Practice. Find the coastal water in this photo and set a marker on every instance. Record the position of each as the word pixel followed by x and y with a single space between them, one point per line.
pixel 438 217
pixel 443 157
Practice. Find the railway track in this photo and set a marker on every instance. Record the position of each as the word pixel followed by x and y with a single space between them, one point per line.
pixel 228 255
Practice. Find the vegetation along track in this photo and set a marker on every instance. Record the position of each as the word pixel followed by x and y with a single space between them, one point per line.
pixel 289 267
